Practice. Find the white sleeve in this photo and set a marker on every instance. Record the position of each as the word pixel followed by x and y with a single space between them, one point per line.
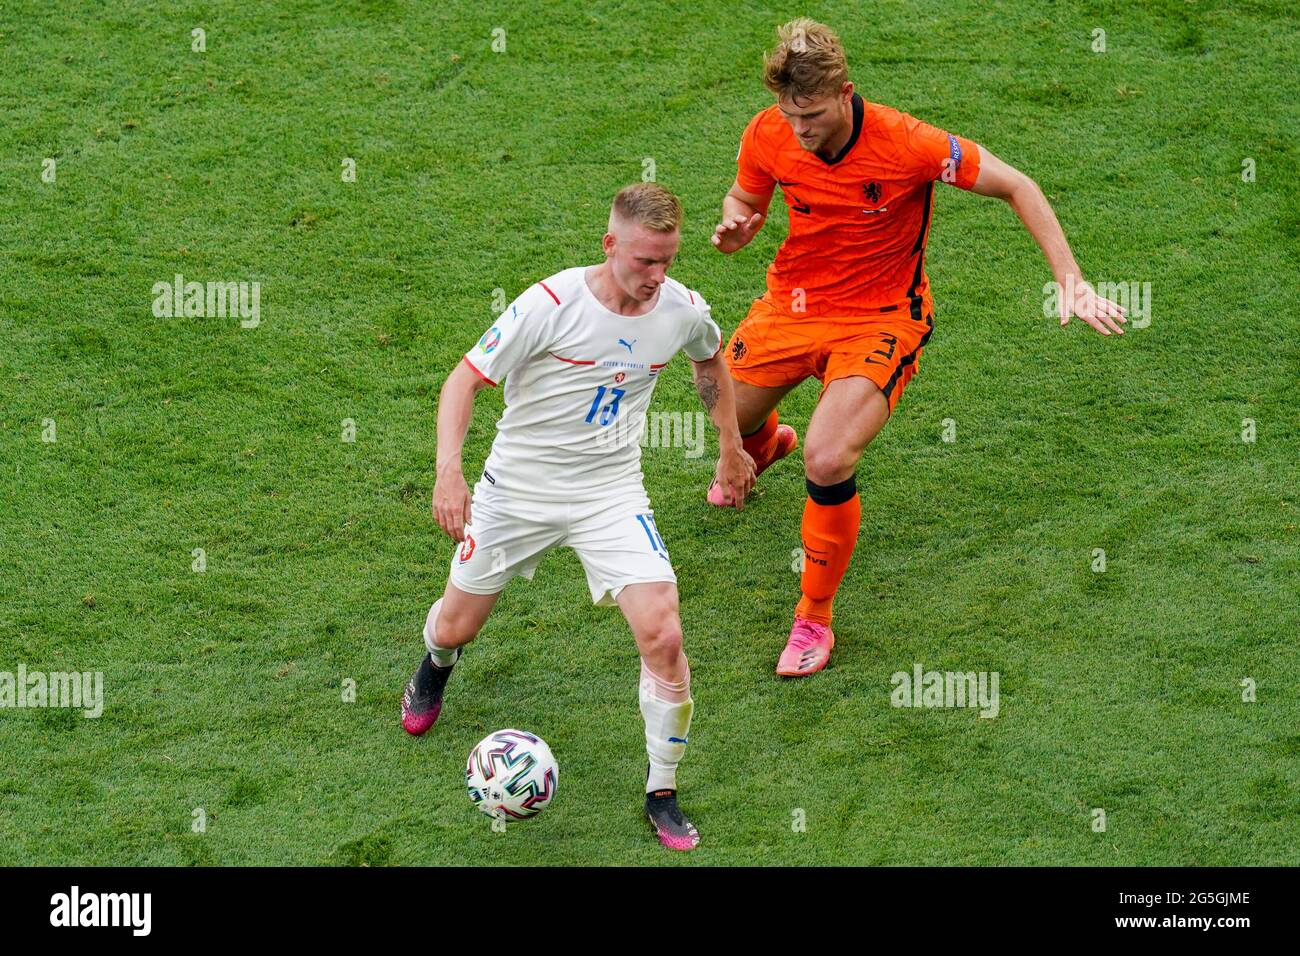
pixel 705 337
pixel 523 331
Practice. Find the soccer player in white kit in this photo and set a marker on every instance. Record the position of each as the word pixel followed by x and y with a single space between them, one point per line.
pixel 580 353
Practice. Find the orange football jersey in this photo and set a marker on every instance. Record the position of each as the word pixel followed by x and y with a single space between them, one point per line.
pixel 858 222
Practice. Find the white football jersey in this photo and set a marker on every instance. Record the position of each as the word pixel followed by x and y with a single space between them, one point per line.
pixel 579 378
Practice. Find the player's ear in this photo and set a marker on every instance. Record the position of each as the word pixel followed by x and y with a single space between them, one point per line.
pixel 846 91
pixel 608 244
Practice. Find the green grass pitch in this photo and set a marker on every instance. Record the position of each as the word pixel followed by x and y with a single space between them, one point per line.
pixel 479 170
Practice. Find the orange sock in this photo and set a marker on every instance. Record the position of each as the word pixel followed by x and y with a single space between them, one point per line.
pixel 761 444
pixel 831 517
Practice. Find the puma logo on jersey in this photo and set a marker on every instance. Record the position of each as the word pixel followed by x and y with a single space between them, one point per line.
pixel 628 344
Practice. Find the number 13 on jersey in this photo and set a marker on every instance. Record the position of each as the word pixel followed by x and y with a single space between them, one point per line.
pixel 608 411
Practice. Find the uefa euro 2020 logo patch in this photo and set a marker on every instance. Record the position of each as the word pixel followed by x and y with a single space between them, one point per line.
pixel 490 340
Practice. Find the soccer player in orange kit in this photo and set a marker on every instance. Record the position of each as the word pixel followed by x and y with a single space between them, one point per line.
pixel 848 300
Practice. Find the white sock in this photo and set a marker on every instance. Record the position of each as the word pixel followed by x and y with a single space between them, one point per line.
pixel 667 708
pixel 442 656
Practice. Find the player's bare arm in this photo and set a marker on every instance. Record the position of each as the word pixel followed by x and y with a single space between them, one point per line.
pixel 735 471
pixel 742 216
pixel 1078 297
pixel 451 496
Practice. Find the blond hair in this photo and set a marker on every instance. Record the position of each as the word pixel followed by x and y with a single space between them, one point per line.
pixel 808 62
pixel 648 204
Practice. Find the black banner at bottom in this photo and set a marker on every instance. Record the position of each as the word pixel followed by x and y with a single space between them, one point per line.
pixel 335 905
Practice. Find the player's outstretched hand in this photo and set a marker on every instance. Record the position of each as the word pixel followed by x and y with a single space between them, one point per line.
pixel 451 500
pixel 735 233
pixel 1102 314
pixel 736 475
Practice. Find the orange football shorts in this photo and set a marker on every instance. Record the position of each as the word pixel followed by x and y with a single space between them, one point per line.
pixel 772 348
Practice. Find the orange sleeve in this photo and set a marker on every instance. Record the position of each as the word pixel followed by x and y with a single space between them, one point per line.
pixel 937 154
pixel 752 162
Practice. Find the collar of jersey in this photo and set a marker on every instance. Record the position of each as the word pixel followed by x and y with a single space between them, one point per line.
pixel 853 139
pixel 586 289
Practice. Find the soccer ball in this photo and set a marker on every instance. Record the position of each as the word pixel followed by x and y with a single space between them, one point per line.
pixel 511 774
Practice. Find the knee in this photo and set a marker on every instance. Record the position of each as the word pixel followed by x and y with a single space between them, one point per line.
pixel 661 648
pixel 454 629
pixel 829 464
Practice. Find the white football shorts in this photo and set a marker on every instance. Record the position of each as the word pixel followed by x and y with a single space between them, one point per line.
pixel 615 539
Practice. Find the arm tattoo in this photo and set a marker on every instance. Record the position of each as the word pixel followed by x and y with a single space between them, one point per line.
pixel 708 389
